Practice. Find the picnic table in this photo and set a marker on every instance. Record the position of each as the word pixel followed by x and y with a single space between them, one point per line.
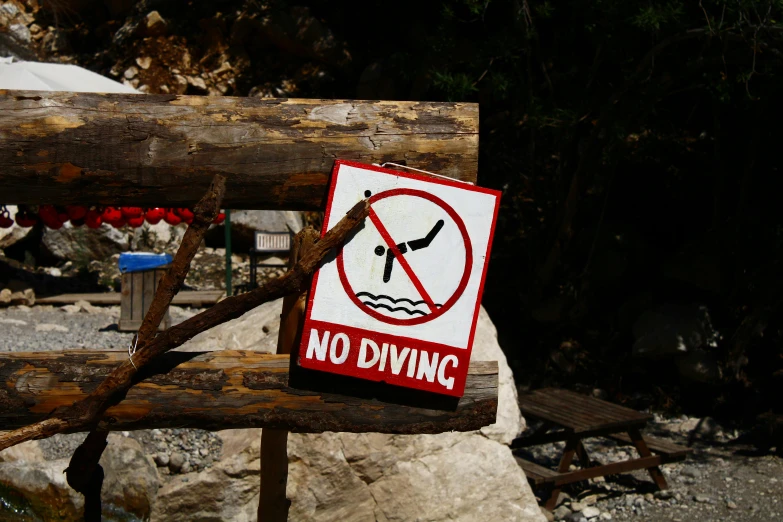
pixel 570 417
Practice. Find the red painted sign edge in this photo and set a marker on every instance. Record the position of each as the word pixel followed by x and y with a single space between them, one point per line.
pixel 459 388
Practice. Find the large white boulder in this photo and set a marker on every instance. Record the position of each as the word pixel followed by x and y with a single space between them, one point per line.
pixel 38 488
pixel 370 476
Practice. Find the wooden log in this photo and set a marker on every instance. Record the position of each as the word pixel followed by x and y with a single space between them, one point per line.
pixel 237 389
pixel 163 150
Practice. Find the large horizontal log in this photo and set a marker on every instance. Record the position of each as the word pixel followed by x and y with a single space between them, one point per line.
pixel 237 389
pixel 163 150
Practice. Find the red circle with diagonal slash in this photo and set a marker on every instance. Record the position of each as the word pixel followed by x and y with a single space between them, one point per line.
pixel 465 275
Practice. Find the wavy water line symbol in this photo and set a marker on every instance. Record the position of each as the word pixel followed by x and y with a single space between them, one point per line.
pixel 378 297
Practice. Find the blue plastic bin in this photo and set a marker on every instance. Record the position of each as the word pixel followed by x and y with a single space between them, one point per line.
pixel 140 261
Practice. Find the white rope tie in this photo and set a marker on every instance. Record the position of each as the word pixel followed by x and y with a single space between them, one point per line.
pixel 132 348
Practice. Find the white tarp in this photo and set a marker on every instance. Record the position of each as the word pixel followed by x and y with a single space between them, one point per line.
pixel 37 76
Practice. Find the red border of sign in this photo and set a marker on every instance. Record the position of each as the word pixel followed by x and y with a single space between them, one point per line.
pixel 459 387
pixel 463 283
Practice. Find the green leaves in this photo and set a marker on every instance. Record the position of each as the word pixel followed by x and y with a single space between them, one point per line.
pixel 653 17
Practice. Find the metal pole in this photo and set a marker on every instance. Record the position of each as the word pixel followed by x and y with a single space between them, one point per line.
pixel 228 251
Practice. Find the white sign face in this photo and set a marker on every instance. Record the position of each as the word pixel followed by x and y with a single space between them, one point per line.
pixel 400 301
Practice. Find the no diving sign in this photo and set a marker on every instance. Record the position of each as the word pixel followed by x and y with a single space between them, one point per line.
pixel 400 301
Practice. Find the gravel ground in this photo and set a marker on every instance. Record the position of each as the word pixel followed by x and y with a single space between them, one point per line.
pixel 722 480
pixel 43 328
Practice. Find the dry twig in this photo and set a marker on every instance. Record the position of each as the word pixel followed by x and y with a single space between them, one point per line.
pixel 86 413
pixel 84 473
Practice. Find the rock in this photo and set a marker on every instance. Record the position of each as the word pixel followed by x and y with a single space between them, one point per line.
pixel 578 507
pixel 161 460
pixel 39 491
pixel 131 72
pixel 180 84
pixel 48 327
pixel 198 83
pixel 664 494
pixel 36 489
pixel 731 505
pixel 185 467
pixel 691 472
pixel 144 62
pixel 702 499
pixel 605 516
pixel 256 330
pixel 21 298
pixel 20 32
pixel 561 512
pixel 29 451
pixel 367 476
pixel 590 512
pixel 84 244
pixel 153 25
pixel 15 322
pixel 131 480
pixel 14 234
pixel 9 10
pixel 176 461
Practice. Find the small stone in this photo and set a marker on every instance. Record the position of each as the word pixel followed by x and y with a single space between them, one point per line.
pixel 731 505
pixel 605 516
pixel 561 513
pixel 55 272
pixel 590 512
pixel 577 506
pixel 176 462
pixel 144 62
pixel 161 459
pixel 203 452
pixel 154 24
pixel 702 499
pixel 649 497
pixel 16 322
pixel 20 32
pixel 638 501
pixel 197 82
pixel 185 467
pixel 47 327
pixel 691 472
pixel 10 9
pixel 548 515
pixel 130 72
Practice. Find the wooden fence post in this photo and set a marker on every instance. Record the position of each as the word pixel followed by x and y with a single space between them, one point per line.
pixel 272 503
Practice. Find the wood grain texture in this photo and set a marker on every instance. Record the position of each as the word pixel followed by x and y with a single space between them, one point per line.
pixel 164 150
pixel 236 389
pixel 82 414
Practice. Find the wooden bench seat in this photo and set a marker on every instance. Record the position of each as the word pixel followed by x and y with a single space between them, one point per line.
pixel 536 473
pixel 669 451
